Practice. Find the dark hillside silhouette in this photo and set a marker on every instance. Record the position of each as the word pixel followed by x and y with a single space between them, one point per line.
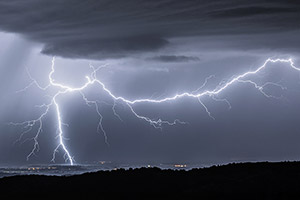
pixel 234 181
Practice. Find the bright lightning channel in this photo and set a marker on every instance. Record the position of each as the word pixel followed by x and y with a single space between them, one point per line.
pixel 92 79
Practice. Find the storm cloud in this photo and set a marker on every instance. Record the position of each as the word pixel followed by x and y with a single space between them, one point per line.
pixel 172 58
pixel 150 49
pixel 112 29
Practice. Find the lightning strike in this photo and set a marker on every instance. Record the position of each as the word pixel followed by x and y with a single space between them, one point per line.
pixel 92 79
pixel 206 109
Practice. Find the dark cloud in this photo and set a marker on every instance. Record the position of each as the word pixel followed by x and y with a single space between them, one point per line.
pixel 254 11
pixel 101 48
pixel 104 29
pixel 172 58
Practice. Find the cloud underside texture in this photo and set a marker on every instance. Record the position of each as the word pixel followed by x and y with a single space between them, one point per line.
pixel 102 29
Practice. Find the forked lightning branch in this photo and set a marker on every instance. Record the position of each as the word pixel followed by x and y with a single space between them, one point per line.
pixel 62 89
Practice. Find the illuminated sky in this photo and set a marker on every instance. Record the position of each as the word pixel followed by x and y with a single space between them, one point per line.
pixel 151 49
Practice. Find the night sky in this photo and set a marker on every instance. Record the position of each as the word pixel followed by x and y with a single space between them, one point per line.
pixel 151 49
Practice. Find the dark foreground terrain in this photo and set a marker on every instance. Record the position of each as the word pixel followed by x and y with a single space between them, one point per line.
pixel 233 181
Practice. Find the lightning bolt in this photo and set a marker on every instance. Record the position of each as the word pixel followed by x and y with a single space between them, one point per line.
pixel 158 123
